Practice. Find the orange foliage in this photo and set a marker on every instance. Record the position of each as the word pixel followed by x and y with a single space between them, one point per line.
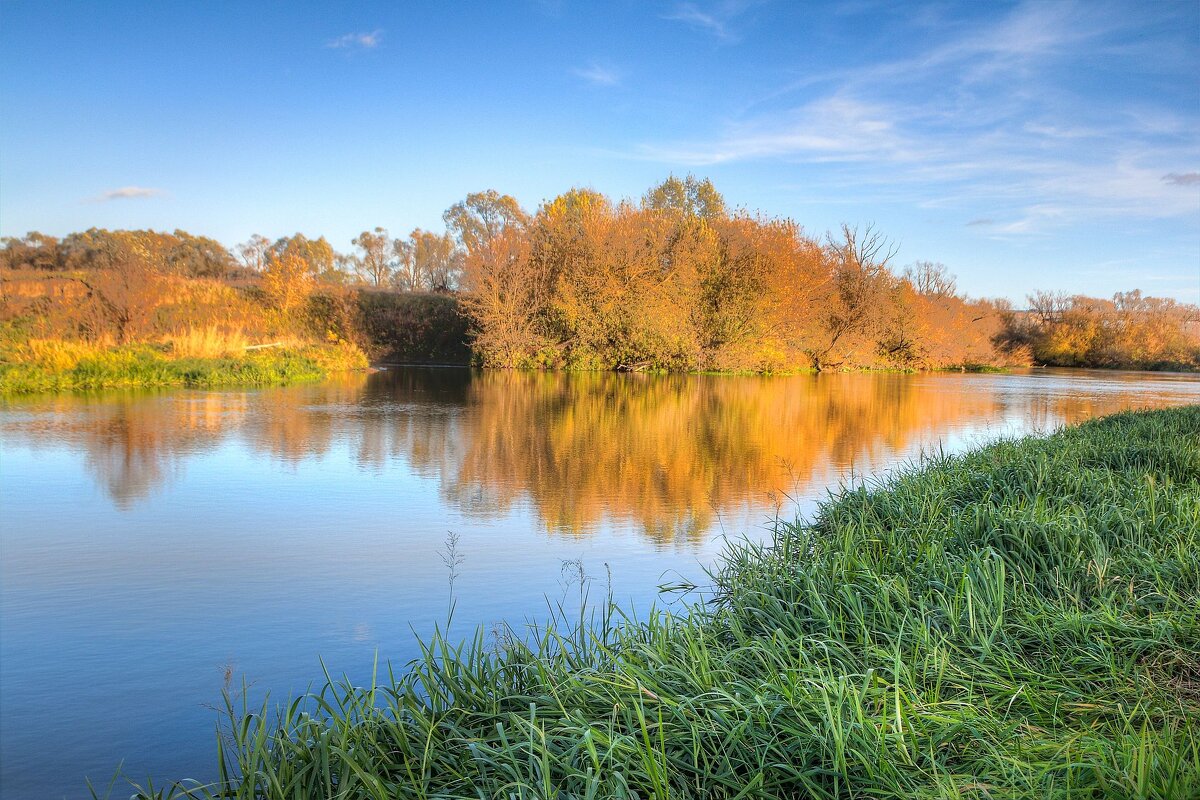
pixel 1130 331
pixel 287 282
pixel 677 283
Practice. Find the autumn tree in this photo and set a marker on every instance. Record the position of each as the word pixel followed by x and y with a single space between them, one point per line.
pixel 125 295
pixel 34 250
pixel 436 261
pixel 687 196
pixel 198 256
pixel 254 252
pixel 317 254
pixel 376 262
pixel 630 286
pixel 287 282
pixel 508 295
pixel 1049 307
pixel 483 216
pixel 1153 331
pixel 675 282
pixel 1129 331
pixel 930 279
pixel 856 297
pixel 763 294
pixel 568 242
pixel 929 325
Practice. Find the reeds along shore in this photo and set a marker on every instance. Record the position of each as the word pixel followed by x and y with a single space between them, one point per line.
pixel 1020 622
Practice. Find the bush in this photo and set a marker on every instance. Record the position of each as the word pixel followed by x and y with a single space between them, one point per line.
pixel 415 327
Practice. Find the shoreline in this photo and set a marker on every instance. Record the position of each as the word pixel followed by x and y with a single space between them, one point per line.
pixel 147 366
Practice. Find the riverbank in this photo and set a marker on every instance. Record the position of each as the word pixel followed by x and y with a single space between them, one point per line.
pixel 55 366
pixel 1019 621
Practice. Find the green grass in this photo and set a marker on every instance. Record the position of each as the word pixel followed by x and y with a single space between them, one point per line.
pixel 1019 622
pixel 151 366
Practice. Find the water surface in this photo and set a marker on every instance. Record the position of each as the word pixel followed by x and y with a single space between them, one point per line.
pixel 156 547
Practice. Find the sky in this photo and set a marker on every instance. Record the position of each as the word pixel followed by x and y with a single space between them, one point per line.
pixel 1026 146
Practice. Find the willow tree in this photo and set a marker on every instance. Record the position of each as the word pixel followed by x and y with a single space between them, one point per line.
pixel 428 262
pixel 687 196
pixel 482 217
pixel 317 254
pixel 376 259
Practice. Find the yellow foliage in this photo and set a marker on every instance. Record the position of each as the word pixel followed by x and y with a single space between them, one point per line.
pixel 52 354
pixel 211 341
pixel 287 283
pixel 338 356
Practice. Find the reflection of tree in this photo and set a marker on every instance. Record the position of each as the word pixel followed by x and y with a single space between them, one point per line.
pixel 1090 394
pixel 663 453
pixel 132 442
pixel 293 424
pixel 414 414
pixel 130 459
pixel 666 452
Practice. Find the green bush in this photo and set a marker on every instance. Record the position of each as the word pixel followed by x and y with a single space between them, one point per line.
pixel 415 328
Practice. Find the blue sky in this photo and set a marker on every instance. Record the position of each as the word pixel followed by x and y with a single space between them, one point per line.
pixel 1042 145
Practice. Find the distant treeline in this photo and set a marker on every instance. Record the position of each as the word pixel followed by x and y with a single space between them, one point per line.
pixel 195 297
pixel 674 281
pixel 1130 331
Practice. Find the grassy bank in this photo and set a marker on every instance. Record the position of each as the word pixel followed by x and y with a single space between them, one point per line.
pixel 49 366
pixel 1019 622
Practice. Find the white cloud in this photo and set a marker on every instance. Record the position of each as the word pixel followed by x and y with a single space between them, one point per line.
pixel 598 75
pixel 127 193
pixel 358 41
pixel 1034 220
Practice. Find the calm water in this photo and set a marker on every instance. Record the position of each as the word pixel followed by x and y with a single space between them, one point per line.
pixel 156 545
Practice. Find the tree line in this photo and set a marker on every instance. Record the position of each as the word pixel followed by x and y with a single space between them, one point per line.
pixel 423 261
pixel 674 281
pixel 677 281
pixel 1129 331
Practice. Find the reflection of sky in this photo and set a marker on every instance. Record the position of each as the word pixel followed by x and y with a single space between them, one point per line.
pixel 132 613
pixel 117 615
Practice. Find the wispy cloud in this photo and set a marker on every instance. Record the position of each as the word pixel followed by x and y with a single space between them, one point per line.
pixel 1030 34
pixel 126 193
pixel 835 128
pixel 980 121
pixel 716 20
pixel 1182 178
pixel 357 41
pixel 599 75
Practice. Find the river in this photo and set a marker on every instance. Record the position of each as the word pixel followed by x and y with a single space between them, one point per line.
pixel 158 547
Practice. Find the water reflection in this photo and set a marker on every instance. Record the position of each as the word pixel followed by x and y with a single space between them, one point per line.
pixel 664 454
pixel 668 453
